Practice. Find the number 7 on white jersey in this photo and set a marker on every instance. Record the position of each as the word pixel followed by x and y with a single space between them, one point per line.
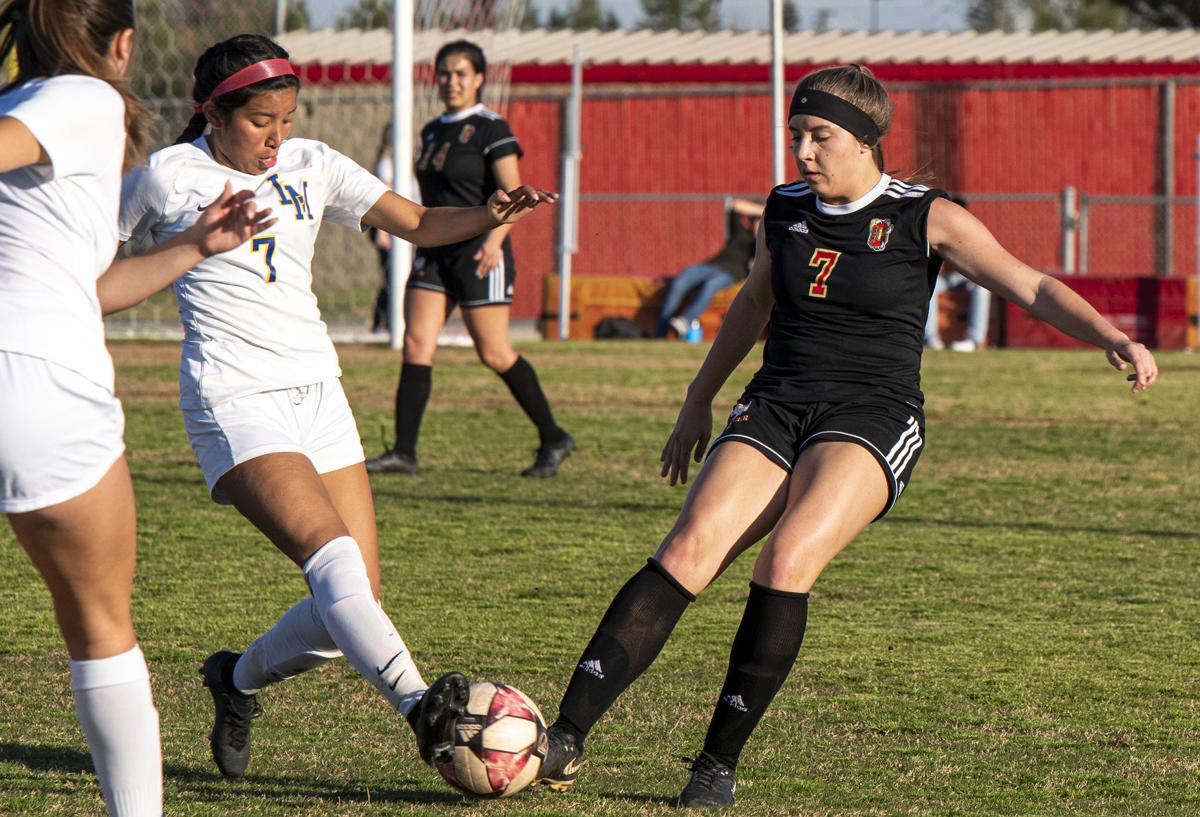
pixel 266 243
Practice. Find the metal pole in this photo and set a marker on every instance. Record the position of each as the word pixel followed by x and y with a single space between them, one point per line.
pixel 1083 235
pixel 1195 327
pixel 1070 227
pixel 1168 179
pixel 778 125
pixel 280 16
pixel 874 16
pixel 400 258
pixel 568 214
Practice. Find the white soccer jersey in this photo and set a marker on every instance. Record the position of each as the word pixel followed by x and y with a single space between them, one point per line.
pixel 58 222
pixel 250 318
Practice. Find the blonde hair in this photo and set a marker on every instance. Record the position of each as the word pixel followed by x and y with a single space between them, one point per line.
pixel 858 86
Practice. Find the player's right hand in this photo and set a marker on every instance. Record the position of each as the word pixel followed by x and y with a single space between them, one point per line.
pixel 230 221
pixel 688 441
pixel 514 205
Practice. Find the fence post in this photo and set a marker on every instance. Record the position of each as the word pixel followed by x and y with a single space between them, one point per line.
pixel 568 208
pixel 1083 234
pixel 1167 187
pixel 1070 230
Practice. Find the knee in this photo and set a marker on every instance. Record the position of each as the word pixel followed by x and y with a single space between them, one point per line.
pixel 498 360
pixel 689 553
pixel 419 348
pixel 793 566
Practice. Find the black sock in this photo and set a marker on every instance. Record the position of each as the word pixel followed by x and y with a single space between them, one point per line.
pixel 522 381
pixel 629 638
pixel 764 649
pixel 412 394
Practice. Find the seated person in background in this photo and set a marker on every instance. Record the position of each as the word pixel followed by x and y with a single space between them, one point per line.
pixel 977 320
pixel 727 267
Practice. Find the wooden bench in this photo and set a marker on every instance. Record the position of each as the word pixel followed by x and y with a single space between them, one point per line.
pixel 594 298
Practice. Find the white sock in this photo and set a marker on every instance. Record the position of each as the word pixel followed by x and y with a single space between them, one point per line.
pixel 337 576
pixel 297 643
pixel 117 714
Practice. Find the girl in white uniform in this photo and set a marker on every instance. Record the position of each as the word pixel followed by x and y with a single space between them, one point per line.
pixel 262 403
pixel 64 483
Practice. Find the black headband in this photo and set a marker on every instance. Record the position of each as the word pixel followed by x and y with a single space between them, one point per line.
pixel 809 102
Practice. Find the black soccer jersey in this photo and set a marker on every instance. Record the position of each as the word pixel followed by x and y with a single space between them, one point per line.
pixel 852 286
pixel 454 167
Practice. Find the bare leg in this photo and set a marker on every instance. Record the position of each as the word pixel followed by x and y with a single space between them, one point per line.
pixel 85 549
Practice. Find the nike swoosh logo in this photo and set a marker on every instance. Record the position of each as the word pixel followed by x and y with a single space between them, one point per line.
pixel 204 206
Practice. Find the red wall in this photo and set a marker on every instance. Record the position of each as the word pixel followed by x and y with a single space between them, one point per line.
pixel 985 141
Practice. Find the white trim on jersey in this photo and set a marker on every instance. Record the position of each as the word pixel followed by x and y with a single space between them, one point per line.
pixel 794 190
pixel 857 204
pixel 459 116
pixel 498 143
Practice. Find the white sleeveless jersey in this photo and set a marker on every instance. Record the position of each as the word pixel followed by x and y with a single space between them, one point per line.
pixel 58 222
pixel 250 318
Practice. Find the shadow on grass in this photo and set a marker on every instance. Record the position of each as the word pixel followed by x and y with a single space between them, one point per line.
pixel 1045 527
pixel 537 502
pixel 643 799
pixel 208 785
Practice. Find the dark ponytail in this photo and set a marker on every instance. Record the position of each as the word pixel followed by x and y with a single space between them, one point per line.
pixel 222 61
pixel 49 38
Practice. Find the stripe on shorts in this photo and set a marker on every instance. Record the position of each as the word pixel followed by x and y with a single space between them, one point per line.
pixel 905 448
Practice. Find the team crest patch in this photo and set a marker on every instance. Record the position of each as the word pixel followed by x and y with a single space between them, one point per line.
pixel 465 135
pixel 878 233
pixel 741 412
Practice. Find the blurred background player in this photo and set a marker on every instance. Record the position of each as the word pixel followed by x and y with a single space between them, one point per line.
pixel 977 315
pixel 465 154
pixel 730 265
pixel 263 406
pixel 827 434
pixel 68 126
pixel 381 241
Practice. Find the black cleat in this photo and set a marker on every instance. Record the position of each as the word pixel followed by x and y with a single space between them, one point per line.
pixel 393 462
pixel 564 759
pixel 230 736
pixel 441 705
pixel 549 457
pixel 711 784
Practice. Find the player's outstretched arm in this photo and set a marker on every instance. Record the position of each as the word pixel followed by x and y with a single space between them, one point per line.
pixel 435 226
pixel 227 223
pixel 742 326
pixel 969 247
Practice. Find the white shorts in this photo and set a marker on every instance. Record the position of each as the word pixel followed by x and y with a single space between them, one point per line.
pixel 315 421
pixel 60 433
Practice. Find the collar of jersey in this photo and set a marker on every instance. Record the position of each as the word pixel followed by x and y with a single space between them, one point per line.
pixel 201 142
pixel 461 115
pixel 858 204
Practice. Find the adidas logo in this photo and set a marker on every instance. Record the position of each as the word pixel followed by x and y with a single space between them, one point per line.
pixel 799 227
pixel 592 667
pixel 736 702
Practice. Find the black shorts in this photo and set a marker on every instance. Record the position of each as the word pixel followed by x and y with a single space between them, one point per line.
pixel 453 273
pixel 890 428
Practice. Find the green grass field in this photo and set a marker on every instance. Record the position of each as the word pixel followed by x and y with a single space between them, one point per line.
pixel 1019 637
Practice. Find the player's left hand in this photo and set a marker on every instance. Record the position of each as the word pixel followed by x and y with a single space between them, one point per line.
pixel 489 258
pixel 510 207
pixel 230 221
pixel 1127 353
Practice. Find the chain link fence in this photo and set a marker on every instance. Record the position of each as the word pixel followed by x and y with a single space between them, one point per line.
pixel 1088 177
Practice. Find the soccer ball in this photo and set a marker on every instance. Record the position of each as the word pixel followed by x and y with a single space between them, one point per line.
pixel 499 743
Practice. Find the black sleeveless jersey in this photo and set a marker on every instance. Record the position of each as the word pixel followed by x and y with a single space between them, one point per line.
pixel 454 167
pixel 852 285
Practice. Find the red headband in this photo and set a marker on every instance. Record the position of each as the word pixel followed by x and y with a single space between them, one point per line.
pixel 267 69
